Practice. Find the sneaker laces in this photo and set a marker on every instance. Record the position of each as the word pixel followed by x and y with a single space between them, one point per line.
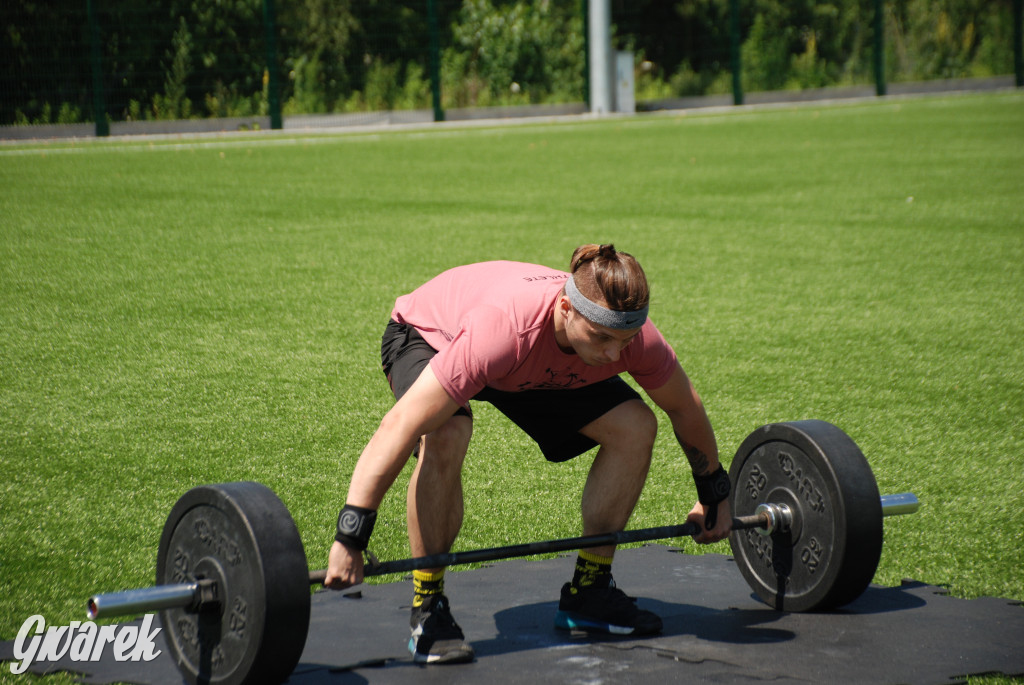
pixel 617 598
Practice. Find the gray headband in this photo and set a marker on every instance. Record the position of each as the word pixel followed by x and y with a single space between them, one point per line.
pixel 602 315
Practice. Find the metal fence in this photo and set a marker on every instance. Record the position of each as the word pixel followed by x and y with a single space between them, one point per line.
pixel 121 66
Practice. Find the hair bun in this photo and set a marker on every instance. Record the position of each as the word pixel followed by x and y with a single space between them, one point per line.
pixel 605 275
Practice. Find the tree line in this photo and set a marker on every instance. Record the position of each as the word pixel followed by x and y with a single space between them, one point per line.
pixel 166 59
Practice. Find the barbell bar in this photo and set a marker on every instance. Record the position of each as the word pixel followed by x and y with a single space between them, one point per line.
pixel 197 596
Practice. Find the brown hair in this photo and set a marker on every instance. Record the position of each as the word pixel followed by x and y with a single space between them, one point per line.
pixel 603 273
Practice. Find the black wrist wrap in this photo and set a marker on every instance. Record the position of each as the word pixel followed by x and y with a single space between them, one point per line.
pixel 355 524
pixel 712 489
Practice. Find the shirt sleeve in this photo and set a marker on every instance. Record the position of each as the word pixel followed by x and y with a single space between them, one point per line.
pixel 654 360
pixel 484 347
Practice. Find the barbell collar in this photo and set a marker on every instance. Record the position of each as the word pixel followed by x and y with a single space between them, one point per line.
pixel 778 518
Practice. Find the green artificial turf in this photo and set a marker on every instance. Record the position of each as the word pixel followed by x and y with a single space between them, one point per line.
pixel 189 311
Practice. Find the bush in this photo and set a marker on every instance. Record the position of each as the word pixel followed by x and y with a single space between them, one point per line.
pixel 178 58
pixel 514 54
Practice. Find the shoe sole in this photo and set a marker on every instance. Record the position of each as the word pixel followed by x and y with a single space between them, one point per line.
pixel 567 620
pixel 458 656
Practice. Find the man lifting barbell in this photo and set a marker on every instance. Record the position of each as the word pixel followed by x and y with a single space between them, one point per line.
pixel 545 347
pixel 232 585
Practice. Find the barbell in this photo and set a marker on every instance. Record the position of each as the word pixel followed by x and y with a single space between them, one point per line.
pixel 232 585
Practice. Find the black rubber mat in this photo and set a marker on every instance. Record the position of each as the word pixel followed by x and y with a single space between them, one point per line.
pixel 715 631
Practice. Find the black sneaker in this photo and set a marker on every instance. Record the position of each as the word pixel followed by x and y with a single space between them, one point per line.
pixel 436 637
pixel 603 610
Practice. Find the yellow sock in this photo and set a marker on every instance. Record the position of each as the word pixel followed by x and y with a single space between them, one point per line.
pixel 595 558
pixel 426 585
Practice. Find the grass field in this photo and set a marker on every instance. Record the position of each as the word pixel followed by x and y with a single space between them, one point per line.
pixel 182 312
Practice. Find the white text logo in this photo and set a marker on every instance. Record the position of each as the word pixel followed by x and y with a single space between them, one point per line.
pixel 82 641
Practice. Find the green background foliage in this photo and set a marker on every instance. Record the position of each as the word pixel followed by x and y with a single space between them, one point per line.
pixel 199 58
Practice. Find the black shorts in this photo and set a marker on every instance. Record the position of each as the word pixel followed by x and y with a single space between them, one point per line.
pixel 552 418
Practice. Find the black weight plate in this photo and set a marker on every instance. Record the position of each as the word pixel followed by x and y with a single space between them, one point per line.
pixel 242 535
pixel 831 554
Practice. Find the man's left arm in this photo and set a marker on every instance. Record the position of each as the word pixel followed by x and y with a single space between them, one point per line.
pixel 679 400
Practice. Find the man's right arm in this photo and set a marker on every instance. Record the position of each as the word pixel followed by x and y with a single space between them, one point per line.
pixel 421 410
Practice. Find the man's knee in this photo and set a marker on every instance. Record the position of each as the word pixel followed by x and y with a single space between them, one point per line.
pixel 643 424
pixel 631 426
pixel 450 441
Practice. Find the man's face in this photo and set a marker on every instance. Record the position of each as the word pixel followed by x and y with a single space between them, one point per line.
pixel 595 344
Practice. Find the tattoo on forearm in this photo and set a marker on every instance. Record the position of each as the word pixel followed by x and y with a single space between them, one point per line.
pixel 699 461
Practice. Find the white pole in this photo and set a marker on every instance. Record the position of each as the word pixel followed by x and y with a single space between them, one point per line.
pixel 600 56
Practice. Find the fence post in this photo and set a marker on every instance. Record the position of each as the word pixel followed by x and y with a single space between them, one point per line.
pixel 735 57
pixel 599 44
pixel 99 104
pixel 879 48
pixel 1018 41
pixel 585 14
pixel 435 60
pixel 272 72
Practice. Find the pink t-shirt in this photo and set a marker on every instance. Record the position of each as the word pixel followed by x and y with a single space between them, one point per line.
pixel 493 325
